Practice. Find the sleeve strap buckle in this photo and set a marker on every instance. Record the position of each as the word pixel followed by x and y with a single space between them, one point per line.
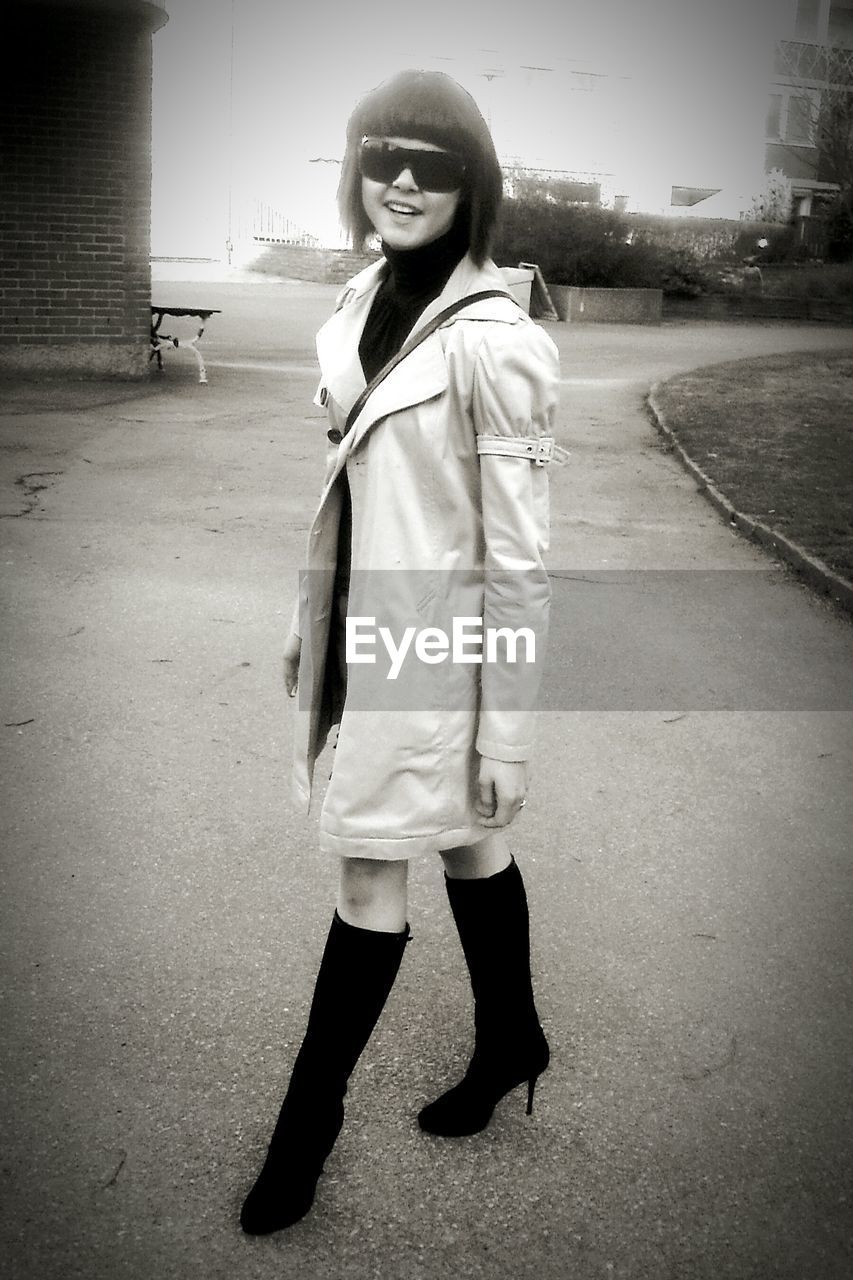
pixel 539 450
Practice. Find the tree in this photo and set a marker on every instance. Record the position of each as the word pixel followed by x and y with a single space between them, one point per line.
pixel 773 203
pixel 835 144
pixel 834 123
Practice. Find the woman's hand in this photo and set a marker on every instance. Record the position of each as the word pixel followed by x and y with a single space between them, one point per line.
pixel 502 790
pixel 292 650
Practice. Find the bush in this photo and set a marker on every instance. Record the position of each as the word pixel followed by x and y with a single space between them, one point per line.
pixel 707 240
pixel 829 282
pixel 681 275
pixel 595 247
pixel 590 247
pixel 775 201
pixel 770 243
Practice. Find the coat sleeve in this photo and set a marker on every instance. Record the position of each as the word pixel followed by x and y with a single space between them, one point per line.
pixel 515 390
pixel 295 617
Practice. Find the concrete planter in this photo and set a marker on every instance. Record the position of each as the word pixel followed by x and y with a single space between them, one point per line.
pixel 607 306
pixel 755 307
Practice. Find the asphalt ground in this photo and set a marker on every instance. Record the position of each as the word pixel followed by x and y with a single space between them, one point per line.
pixel 686 849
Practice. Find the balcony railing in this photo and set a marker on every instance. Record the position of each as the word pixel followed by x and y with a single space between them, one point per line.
pixel 274 227
pixel 825 64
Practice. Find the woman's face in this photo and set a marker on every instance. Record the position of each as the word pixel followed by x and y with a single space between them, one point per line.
pixel 405 215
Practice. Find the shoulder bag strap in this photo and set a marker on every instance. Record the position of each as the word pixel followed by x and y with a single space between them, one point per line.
pixel 415 341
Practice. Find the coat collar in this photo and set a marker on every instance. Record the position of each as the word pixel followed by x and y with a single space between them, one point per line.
pixel 338 339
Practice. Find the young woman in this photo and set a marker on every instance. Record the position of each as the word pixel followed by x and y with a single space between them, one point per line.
pixel 438 491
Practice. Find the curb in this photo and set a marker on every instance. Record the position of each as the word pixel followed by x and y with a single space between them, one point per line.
pixel 814 571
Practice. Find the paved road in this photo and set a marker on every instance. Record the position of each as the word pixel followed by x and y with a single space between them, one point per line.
pixel 163 912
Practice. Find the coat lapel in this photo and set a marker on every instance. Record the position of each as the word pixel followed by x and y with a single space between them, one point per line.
pixel 337 341
pixel 422 374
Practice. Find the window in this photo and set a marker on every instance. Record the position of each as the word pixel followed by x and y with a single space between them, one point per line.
pixel 774 116
pixel 840 32
pixel 808 16
pixel 792 116
pixel 800 124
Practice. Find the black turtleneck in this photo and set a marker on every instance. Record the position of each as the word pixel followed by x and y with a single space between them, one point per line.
pixel 413 279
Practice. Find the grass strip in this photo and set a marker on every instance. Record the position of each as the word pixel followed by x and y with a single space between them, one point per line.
pixel 775 435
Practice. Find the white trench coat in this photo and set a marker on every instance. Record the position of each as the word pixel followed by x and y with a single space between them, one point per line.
pixel 448 485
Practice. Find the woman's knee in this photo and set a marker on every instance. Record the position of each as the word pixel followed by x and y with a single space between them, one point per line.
pixel 374 894
pixel 477 861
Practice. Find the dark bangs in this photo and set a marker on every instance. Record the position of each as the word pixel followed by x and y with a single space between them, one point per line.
pixel 418 104
pixel 432 107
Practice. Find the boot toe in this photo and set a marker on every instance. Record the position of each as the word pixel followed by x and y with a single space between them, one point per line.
pixel 269 1208
pixel 469 1106
pixel 457 1113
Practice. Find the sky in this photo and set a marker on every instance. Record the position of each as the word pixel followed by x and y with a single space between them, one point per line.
pixel 248 92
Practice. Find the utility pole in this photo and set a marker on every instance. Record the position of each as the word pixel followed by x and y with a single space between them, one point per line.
pixel 229 241
pixel 490 74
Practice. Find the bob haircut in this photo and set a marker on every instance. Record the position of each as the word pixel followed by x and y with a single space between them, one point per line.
pixel 432 107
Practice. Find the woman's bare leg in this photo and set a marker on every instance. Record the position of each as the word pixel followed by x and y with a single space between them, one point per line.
pixel 373 894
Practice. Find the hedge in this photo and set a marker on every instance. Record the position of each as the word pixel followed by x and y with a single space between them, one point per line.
pixel 594 247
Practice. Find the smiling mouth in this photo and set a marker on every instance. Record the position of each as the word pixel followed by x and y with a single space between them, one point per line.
pixel 408 209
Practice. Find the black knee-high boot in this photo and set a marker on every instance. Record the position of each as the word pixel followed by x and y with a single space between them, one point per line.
pixel 356 975
pixel 509 1044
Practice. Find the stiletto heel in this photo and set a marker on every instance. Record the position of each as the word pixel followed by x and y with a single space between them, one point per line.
pixel 510 1048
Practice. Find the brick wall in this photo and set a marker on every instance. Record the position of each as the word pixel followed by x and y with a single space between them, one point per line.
pixel 75 199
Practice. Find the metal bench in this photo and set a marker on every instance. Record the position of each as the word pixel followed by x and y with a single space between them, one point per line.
pixel 160 342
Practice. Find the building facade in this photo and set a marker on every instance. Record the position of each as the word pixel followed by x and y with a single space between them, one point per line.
pixel 75 201
pixel 813 70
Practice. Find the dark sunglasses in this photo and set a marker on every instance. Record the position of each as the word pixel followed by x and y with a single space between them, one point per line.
pixel 432 170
